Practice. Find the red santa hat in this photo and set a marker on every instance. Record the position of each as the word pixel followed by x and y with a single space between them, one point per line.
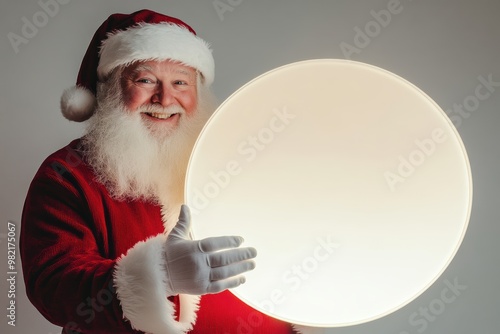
pixel 126 38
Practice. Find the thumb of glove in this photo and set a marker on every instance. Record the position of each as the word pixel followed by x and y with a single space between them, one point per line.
pixel 183 226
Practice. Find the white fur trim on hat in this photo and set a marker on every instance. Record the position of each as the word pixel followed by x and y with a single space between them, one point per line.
pixel 159 41
pixel 77 104
pixel 140 281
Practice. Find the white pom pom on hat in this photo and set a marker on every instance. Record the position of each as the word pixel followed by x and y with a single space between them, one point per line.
pixel 77 103
pixel 126 38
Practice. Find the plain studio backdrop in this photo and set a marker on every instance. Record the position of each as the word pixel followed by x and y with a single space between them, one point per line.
pixel 446 48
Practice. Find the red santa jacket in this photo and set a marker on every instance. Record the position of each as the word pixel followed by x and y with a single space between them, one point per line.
pixel 92 264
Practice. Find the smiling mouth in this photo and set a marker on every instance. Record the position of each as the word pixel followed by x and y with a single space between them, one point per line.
pixel 158 115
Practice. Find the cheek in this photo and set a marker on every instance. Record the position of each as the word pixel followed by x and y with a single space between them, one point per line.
pixel 134 97
pixel 189 102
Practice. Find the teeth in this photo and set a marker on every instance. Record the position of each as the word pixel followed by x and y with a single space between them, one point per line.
pixel 160 115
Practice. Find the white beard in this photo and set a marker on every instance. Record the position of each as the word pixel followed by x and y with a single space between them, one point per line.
pixel 136 162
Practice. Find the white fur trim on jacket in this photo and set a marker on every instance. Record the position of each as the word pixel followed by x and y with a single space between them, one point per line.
pixel 140 281
pixel 159 41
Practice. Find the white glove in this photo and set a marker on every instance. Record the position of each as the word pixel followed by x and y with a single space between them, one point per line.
pixel 210 265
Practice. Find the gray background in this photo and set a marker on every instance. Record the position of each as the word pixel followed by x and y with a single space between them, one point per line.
pixel 440 46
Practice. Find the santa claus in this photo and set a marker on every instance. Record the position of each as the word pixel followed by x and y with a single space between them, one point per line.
pixel 105 243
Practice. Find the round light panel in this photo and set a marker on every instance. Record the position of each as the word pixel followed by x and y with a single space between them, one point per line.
pixel 352 184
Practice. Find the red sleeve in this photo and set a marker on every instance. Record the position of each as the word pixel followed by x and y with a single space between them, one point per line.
pixel 223 313
pixel 67 279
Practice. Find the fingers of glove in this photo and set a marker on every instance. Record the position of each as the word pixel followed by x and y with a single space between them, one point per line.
pixel 234 269
pixel 181 229
pixel 214 244
pixel 218 286
pixel 229 256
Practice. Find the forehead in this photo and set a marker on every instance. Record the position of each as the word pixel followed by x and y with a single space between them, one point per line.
pixel 158 67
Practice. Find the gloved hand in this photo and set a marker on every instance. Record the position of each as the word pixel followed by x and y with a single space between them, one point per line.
pixel 210 265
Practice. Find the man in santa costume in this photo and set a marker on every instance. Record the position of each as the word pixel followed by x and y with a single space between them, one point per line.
pixel 105 243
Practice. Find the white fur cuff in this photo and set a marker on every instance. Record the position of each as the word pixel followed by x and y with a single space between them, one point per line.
pixel 140 280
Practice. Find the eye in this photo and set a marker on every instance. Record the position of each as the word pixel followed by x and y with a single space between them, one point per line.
pixel 145 81
pixel 180 82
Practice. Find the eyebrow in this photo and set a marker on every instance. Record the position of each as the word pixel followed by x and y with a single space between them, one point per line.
pixel 189 74
pixel 142 67
pixel 181 71
pixel 145 67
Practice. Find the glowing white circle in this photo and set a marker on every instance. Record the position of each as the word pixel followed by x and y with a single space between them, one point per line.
pixel 352 184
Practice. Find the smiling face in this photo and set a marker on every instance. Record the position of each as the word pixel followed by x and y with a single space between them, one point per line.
pixel 147 118
pixel 162 92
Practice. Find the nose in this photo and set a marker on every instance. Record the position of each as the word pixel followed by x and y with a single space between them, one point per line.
pixel 164 95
